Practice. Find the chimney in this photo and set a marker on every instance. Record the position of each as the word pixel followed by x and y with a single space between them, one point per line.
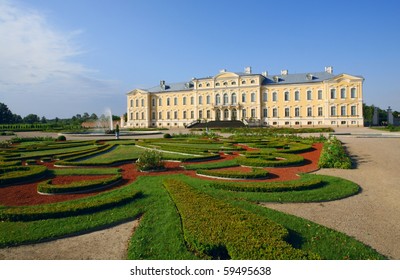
pixel 265 73
pixel 329 69
pixel 284 72
pixel 247 70
pixel 162 84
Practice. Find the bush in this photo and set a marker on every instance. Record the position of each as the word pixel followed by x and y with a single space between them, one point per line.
pixel 167 135
pixel 61 138
pixel 217 230
pixel 255 173
pixel 333 155
pixel 150 160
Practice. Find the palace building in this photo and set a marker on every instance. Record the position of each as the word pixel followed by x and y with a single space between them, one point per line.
pixel 285 100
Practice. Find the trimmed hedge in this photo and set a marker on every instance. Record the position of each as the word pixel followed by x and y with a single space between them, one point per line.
pixel 255 173
pixel 215 229
pixel 270 160
pixel 294 185
pixel 20 174
pixel 77 187
pixel 333 155
pixel 211 165
pixel 67 209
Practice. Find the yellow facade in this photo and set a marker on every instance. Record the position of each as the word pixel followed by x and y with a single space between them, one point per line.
pixel 292 100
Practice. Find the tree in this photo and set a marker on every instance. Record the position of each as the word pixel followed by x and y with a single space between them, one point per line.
pixel 6 116
pixel 31 119
pixel 93 117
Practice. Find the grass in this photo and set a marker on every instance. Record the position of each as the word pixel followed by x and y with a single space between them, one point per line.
pixel 84 171
pixel 119 154
pixel 211 165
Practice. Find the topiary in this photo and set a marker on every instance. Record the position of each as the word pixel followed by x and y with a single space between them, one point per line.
pixel 150 160
pixel 61 138
pixel 167 135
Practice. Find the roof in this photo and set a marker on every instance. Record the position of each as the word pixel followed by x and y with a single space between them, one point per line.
pixel 172 87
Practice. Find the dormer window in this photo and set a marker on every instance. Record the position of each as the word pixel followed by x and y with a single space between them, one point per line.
pixel 309 77
pixel 276 79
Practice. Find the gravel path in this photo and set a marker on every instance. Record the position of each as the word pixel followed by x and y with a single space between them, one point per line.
pixel 373 216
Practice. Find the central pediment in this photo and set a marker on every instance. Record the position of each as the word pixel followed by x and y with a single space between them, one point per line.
pixel 226 75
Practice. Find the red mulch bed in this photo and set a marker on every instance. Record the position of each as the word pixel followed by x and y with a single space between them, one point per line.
pixel 26 194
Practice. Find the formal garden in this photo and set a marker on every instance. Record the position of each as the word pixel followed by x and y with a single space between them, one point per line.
pixel 196 196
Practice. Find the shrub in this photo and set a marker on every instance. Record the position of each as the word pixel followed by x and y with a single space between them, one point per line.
pixel 167 135
pixel 150 160
pixel 77 187
pixel 255 173
pixel 217 230
pixel 61 138
pixel 272 160
pixel 333 155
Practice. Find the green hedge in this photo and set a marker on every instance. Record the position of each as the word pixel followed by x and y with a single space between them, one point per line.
pixel 255 173
pixel 333 155
pixel 20 174
pixel 294 185
pixel 67 209
pixel 211 165
pixel 267 161
pixel 217 230
pixel 76 187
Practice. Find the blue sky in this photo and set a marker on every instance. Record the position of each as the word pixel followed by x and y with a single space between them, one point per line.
pixel 60 58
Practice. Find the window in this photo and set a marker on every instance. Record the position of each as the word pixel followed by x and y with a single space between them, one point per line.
pixel 142 115
pixel 137 115
pixel 200 100
pixel 253 97
pixel 208 84
pixel 353 93
pixel 265 113
pixel 153 102
pixel 342 93
pixel 208 99
pixel 353 110
pixel 244 114
pixel 233 83
pixel 184 114
pixel 160 115
pixel 309 95
pixel 286 96
pixel 160 102
pixel 265 96
pixel 131 103
pixel 320 94
pixel 274 96
pixel 309 112
pixel 320 112
pixel 252 82
pixel 184 100
pixel 175 101
pixel 243 82
pixel 168 102
pixel 343 111
pixel 275 112
pixel 217 99
pixel 168 115
pixel 297 112
pixel 296 95
pixel 226 114
pixel 225 83
pixel 142 102
pixel 253 113
pixel 200 114
pixel 217 84
pixel 192 114
pixel 226 99
pixel 333 111
pixel 153 115
pixel 287 112
pixel 200 85
pixel 233 99
pixel 208 114
pixel 243 97
pixel 192 100
pixel 333 93
pixel 131 116
pixel 137 102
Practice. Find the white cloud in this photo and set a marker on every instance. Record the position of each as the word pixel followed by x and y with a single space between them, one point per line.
pixel 36 63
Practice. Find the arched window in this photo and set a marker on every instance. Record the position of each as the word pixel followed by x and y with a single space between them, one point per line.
pixel 217 84
pixel 274 96
pixel 286 96
pixel 265 96
pixel 137 102
pixel 226 114
pixel 160 102
pixel 184 100
pixel 353 93
pixel 153 103
pixel 244 114
pixel 296 95
pixel 253 97
pixel 217 99
pixel 168 102
pixel 233 99
pixel 309 95
pixel 175 100
pixel 142 101
pixel 342 93
pixel 226 99
pixel 200 100
pixel 243 97
pixel 131 103
pixel 208 99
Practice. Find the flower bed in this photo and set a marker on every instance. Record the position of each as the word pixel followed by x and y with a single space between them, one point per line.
pixel 217 230
pixel 270 160
pixel 48 187
pixel 255 173
pixel 18 174
pixel 66 209
pixel 305 183
pixel 333 155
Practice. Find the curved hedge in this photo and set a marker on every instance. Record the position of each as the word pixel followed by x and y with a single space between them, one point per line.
pixel 333 155
pixel 77 187
pixel 255 173
pixel 294 185
pixel 67 209
pixel 20 174
pixel 211 165
pixel 217 230
pixel 270 160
